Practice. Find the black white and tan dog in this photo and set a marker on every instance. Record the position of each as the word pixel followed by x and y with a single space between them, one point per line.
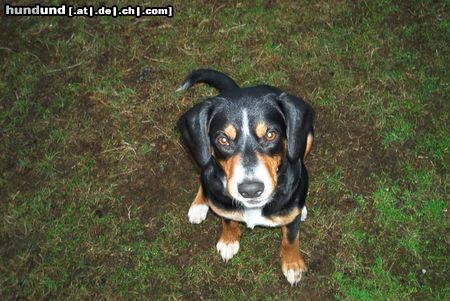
pixel 250 144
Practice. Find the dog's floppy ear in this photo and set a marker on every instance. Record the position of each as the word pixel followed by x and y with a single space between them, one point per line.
pixel 299 117
pixel 193 126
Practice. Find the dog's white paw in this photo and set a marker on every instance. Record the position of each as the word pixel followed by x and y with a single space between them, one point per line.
pixel 304 214
pixel 197 213
pixel 293 272
pixel 293 276
pixel 227 250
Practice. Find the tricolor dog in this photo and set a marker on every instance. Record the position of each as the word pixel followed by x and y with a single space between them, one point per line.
pixel 250 144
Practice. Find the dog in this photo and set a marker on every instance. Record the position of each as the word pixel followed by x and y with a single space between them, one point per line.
pixel 250 144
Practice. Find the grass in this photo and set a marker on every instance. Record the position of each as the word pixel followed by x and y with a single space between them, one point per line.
pixel 95 185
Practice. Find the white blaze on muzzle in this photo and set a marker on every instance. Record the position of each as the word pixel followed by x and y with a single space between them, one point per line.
pixel 259 173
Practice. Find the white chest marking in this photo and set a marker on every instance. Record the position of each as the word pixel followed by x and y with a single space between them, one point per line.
pixel 253 217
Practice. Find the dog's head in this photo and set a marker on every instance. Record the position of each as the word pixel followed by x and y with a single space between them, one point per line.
pixel 249 138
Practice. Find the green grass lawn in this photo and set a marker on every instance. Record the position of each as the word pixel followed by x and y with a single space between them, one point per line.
pixel 95 185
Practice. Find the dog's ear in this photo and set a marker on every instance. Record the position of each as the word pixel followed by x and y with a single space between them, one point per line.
pixel 193 126
pixel 299 117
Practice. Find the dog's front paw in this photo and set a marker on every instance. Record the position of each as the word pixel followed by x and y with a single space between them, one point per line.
pixel 293 271
pixel 197 213
pixel 227 249
pixel 303 214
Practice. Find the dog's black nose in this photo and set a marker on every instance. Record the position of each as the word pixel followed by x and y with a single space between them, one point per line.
pixel 251 190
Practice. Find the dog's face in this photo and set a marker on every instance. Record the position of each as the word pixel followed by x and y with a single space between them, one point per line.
pixel 249 146
pixel 249 139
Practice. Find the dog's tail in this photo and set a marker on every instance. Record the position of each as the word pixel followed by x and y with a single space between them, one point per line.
pixel 213 78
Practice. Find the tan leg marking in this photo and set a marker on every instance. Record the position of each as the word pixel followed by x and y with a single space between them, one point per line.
pixel 230 231
pixel 292 263
pixel 199 208
pixel 200 197
pixel 309 144
pixel 228 244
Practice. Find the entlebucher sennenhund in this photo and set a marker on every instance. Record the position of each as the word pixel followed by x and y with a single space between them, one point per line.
pixel 250 144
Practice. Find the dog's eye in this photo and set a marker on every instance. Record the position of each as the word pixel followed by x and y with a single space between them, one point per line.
pixel 271 135
pixel 223 140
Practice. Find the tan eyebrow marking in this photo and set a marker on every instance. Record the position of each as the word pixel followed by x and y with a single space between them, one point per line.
pixel 230 131
pixel 260 129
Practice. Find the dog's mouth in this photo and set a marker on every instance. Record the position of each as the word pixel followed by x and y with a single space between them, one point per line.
pixel 254 202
